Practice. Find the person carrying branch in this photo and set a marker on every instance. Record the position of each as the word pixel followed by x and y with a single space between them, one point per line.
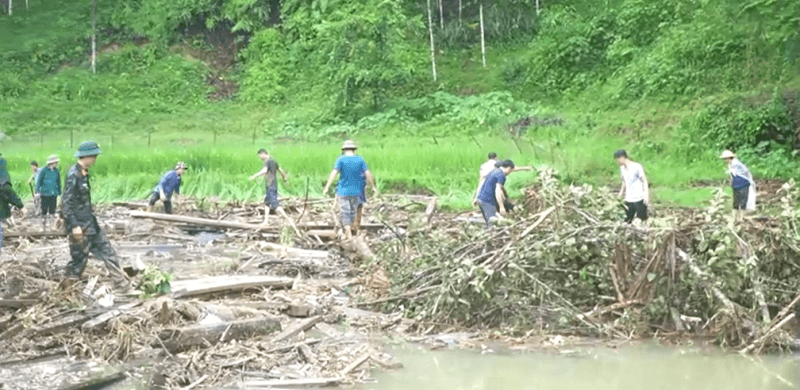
pixel 352 170
pixel 170 183
pixel 492 195
pixel 635 188
pixel 8 197
pixel 85 234
pixel 48 187
pixel 270 173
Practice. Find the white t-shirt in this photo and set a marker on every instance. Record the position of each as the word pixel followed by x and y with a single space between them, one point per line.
pixel 632 176
pixel 486 169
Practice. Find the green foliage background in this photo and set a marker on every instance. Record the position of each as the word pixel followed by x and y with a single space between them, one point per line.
pixel 672 81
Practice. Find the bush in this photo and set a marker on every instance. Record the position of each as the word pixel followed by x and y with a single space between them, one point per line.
pixel 266 68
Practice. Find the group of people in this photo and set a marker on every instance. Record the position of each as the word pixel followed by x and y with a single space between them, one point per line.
pixel 86 236
pixel 491 196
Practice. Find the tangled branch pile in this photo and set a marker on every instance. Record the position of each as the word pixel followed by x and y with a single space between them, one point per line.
pixel 571 265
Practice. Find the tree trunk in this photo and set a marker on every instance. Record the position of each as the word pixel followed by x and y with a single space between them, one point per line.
pixel 459 11
pixel 27 5
pixel 94 36
pixel 537 7
pixel 10 7
pixel 483 40
pixel 433 48
pixel 441 15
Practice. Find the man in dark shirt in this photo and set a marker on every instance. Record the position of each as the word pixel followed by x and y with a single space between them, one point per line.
pixel 79 219
pixel 8 197
pixel 491 196
pixel 170 183
pixel 270 172
pixel 48 187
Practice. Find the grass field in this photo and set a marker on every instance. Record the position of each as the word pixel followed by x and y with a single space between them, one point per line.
pixel 446 166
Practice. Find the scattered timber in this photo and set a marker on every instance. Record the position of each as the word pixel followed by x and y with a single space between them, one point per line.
pixel 230 284
pixel 183 339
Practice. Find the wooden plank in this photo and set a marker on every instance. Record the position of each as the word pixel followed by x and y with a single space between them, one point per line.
pixel 36 234
pixel 258 384
pixel 233 283
pixel 302 326
pixel 182 339
pixel 105 317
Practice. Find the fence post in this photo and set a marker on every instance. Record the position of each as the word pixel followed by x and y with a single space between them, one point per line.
pixel 41 140
pixel 72 138
pixel 149 133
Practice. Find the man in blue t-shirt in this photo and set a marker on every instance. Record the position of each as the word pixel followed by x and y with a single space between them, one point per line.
pixel 491 196
pixel 170 183
pixel 353 170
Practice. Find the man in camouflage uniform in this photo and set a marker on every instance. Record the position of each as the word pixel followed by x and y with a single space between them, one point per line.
pixel 85 233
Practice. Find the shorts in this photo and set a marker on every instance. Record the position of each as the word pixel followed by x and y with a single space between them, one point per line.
pixel 49 205
pixel 167 203
pixel 489 211
pixel 740 198
pixel 635 210
pixel 271 199
pixel 348 205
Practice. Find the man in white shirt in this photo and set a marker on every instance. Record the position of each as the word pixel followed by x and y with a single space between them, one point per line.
pixel 486 168
pixel 635 188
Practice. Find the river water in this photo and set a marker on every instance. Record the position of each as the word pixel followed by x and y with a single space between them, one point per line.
pixel 643 366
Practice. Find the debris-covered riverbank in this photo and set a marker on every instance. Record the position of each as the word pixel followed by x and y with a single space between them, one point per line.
pixel 219 302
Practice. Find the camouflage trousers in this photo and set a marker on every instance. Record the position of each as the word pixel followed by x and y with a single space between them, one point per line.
pixel 93 243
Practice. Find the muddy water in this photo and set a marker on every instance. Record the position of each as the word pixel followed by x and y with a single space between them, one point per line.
pixel 632 367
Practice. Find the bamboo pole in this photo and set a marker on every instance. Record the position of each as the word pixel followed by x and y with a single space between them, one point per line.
pixel 433 49
pixel 94 36
pixel 483 40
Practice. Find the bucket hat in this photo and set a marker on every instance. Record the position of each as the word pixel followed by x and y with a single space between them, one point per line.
pixel 88 148
pixel 727 154
pixel 52 159
pixel 349 144
pixel 180 165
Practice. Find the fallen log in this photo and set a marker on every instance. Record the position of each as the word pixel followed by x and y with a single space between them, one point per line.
pixel 302 326
pixel 17 303
pixel 99 383
pixel 234 283
pixel 195 221
pixel 182 339
pixel 277 383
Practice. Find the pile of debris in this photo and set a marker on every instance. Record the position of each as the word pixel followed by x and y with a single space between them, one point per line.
pixel 570 265
pixel 214 302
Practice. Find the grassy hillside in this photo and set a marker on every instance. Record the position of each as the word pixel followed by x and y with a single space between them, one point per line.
pixel 672 82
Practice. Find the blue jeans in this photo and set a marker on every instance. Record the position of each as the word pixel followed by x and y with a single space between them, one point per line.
pixel 489 211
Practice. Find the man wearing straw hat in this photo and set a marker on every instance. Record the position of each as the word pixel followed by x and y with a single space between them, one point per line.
pixel 79 220
pixel 170 183
pixel 48 186
pixel 742 183
pixel 351 167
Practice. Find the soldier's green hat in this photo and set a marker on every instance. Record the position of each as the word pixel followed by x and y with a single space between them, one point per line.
pixel 88 148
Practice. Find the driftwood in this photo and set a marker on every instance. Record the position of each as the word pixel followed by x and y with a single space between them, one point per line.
pixel 297 328
pixel 98 321
pixel 182 339
pixel 278 383
pixel 17 303
pixel 195 221
pixel 215 284
pixel 99 383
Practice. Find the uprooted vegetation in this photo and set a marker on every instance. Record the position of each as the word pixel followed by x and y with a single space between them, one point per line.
pixel 571 266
